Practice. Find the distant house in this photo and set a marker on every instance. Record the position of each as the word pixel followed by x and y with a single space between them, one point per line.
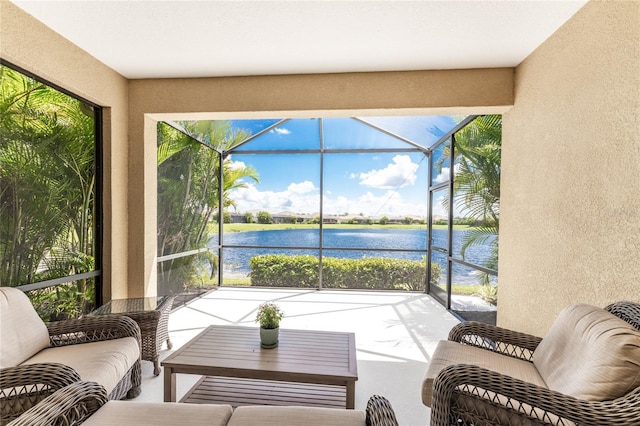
pixel 238 218
pixel 279 218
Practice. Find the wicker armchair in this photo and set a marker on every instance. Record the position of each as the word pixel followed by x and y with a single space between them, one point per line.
pixel 473 395
pixel 25 381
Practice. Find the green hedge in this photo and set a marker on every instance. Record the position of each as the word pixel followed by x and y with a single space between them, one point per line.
pixel 280 270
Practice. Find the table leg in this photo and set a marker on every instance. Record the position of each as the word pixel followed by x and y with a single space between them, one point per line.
pixel 169 385
pixel 351 395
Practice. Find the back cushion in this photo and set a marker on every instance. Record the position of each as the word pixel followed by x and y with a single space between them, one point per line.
pixel 590 354
pixel 22 332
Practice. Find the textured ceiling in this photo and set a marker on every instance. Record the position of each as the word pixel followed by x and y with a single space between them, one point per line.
pixel 144 39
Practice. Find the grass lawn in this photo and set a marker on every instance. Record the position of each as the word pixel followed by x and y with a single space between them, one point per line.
pixel 243 227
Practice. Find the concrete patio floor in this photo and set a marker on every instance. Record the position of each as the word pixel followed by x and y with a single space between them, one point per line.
pixel 396 334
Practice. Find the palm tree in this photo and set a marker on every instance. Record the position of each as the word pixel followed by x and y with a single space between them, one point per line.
pixel 477 183
pixel 476 187
pixel 47 176
pixel 188 194
pixel 47 154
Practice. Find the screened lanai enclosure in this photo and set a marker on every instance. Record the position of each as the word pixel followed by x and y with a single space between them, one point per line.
pixel 380 203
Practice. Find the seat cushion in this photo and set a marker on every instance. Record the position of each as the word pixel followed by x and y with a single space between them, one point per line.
pixel 22 331
pixel 104 362
pixel 295 416
pixel 134 413
pixel 450 353
pixel 590 354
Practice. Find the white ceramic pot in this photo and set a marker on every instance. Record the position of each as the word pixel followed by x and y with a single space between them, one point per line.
pixel 269 337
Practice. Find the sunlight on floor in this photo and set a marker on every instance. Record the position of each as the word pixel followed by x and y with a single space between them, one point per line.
pixel 396 333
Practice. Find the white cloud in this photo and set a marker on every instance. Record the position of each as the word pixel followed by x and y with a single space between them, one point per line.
pixel 444 173
pixel 302 197
pixel 443 176
pixel 401 172
pixel 438 205
pixel 281 131
pixel 301 188
pixel 352 175
pixel 235 164
pixel 388 204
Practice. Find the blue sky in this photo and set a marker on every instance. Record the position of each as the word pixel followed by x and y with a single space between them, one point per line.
pixel 371 184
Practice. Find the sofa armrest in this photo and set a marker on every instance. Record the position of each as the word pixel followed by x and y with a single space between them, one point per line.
pixel 46 374
pixel 23 386
pixel 70 405
pixel 495 339
pixel 518 398
pixel 92 329
pixel 379 412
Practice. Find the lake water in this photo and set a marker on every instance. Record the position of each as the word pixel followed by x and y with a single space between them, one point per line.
pixel 360 241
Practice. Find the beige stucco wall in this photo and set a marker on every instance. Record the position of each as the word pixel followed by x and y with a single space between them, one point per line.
pixel 27 43
pixel 570 191
pixel 392 93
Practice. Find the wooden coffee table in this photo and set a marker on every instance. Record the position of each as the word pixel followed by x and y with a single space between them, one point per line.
pixel 307 368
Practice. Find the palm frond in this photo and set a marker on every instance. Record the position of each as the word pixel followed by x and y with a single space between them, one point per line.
pixel 477 183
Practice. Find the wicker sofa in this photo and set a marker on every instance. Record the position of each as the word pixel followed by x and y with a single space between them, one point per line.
pixel 585 371
pixel 38 358
pixel 86 403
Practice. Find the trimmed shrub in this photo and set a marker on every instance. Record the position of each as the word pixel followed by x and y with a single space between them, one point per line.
pixel 280 270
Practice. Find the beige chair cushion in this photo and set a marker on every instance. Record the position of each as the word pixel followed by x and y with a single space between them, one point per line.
pixel 134 413
pixel 450 353
pixel 104 362
pixel 22 332
pixel 295 416
pixel 590 354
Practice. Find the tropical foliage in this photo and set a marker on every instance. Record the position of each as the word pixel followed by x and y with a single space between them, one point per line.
pixel 477 186
pixel 188 196
pixel 47 186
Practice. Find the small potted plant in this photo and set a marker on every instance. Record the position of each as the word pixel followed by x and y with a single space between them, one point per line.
pixel 269 316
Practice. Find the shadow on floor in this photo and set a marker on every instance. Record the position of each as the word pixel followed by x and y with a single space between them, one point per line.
pixel 187 296
pixel 488 317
